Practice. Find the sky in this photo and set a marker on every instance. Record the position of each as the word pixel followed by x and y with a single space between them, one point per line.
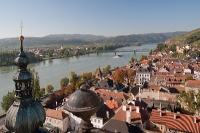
pixel 97 17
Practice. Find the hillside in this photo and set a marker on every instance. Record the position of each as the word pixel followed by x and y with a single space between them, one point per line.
pixel 85 39
pixel 192 38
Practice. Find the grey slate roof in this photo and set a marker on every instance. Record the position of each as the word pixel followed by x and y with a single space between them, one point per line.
pixel 113 126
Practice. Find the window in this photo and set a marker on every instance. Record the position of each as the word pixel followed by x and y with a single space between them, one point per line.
pixel 55 121
pixel 94 120
pixel 50 120
pixel 98 121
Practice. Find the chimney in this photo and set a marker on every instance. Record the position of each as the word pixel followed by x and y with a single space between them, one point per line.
pixel 124 107
pixel 107 114
pixel 174 116
pixel 195 119
pixel 137 110
pixel 128 116
pixel 130 108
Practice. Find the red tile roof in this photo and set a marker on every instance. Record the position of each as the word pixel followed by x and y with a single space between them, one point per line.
pixel 113 104
pixel 109 94
pixel 182 122
pixel 57 114
pixel 192 83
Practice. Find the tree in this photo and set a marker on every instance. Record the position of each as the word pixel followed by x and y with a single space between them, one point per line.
pixel 35 84
pixel 169 108
pixel 149 62
pixel 73 77
pixel 7 100
pixel 143 57
pixel 42 91
pixel 87 75
pixel 106 69
pixel 119 75
pixel 150 52
pixel 189 78
pixel 49 88
pixel 64 82
pixel 130 75
pixel 132 60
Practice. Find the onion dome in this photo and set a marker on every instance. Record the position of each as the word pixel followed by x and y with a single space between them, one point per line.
pixel 26 114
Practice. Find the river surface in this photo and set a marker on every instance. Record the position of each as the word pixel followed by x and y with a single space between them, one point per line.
pixel 51 71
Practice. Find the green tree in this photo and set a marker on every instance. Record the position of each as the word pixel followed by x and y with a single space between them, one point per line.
pixel 64 82
pixel 106 69
pixel 73 77
pixel 35 84
pixel 87 75
pixel 7 100
pixel 132 60
pixel 150 52
pixel 169 107
pixel 189 78
pixel 49 88
pixel 42 91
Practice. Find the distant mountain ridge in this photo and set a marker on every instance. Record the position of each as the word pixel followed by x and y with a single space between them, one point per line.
pixel 75 36
pixel 85 39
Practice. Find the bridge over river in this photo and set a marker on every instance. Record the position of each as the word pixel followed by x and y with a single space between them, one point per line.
pixel 132 50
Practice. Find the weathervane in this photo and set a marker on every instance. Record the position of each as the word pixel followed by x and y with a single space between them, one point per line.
pixel 21 26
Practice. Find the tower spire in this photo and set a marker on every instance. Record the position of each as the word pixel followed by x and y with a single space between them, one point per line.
pixel 21 38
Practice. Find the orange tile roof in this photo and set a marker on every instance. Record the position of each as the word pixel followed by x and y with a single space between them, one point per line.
pixel 113 104
pixel 154 87
pixel 135 117
pixel 120 95
pixel 58 114
pixel 192 83
pixel 181 123
pixel 144 61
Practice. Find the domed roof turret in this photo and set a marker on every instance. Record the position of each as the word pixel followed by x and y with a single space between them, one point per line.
pixel 84 103
pixel 26 114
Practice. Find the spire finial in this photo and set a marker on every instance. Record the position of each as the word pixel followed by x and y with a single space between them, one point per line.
pixel 21 26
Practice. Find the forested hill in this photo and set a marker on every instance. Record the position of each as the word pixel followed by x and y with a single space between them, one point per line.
pixel 192 38
pixel 81 39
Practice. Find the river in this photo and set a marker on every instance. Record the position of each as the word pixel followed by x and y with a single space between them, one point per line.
pixel 51 71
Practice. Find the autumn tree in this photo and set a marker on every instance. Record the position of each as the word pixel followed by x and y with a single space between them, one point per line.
pixel 130 75
pixel 119 75
pixel 8 100
pixel 143 57
pixel 64 82
pixel 49 88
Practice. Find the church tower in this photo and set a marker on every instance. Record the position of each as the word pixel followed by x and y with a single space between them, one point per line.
pixel 26 114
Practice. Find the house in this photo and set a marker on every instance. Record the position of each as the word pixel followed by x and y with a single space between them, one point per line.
pixel 163 121
pixel 142 76
pixel 56 118
pixel 132 114
pixel 102 116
